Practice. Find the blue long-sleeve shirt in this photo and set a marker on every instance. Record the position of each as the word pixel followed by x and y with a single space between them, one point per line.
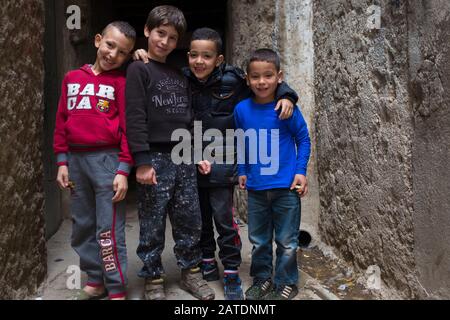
pixel 275 150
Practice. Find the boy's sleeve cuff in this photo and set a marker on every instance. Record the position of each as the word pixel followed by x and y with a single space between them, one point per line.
pixel 290 98
pixel 124 169
pixel 61 159
pixel 142 158
pixel 241 172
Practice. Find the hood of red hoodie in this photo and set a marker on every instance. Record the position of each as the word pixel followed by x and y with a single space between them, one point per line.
pixel 88 69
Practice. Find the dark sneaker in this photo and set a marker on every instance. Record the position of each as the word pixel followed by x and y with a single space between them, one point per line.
pixel 192 282
pixel 259 289
pixel 210 271
pixel 154 289
pixel 282 293
pixel 232 287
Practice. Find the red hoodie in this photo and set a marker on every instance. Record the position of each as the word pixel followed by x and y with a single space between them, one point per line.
pixel 91 115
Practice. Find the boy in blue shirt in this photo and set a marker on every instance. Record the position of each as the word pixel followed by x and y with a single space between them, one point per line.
pixel 275 186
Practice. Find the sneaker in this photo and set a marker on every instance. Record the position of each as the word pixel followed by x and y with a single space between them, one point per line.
pixel 210 271
pixel 282 293
pixel 154 289
pixel 259 289
pixel 192 282
pixel 232 287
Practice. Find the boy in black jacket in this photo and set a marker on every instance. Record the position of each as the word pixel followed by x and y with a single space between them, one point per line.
pixel 216 88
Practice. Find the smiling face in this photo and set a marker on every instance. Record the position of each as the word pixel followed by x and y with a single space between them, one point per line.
pixel 203 58
pixel 263 79
pixel 113 49
pixel 162 41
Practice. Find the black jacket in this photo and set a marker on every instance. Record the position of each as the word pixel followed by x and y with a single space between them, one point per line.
pixel 213 102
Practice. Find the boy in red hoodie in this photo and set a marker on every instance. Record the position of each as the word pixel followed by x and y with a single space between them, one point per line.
pixel 91 147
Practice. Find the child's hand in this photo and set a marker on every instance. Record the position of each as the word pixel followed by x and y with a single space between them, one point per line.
pixel 204 167
pixel 146 175
pixel 63 177
pixel 287 107
pixel 120 186
pixel 300 183
pixel 141 54
pixel 242 182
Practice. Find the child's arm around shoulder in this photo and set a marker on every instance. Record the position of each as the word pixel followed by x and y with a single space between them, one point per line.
pixel 286 99
pixel 234 77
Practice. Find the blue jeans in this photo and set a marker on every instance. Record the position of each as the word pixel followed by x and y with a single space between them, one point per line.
pixel 274 211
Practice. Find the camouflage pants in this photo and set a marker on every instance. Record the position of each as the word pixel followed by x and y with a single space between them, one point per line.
pixel 175 195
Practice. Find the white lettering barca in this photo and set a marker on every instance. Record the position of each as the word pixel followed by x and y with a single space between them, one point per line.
pixel 74 90
pixel 106 248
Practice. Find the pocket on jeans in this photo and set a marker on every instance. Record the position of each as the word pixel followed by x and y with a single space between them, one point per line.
pixel 110 162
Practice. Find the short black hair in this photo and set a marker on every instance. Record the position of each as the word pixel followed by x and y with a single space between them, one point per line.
pixel 264 54
pixel 208 34
pixel 123 27
pixel 167 15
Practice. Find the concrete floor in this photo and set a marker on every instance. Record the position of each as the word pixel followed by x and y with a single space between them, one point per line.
pixel 61 256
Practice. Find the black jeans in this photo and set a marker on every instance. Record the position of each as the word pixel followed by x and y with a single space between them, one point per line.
pixel 216 203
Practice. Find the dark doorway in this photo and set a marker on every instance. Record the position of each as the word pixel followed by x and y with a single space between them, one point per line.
pixel 198 14
pixel 65 50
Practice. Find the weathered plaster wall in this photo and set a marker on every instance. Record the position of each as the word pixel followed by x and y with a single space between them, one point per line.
pixel 252 25
pixel 383 131
pixel 429 54
pixel 22 242
pixel 365 135
pixel 295 43
pixel 285 26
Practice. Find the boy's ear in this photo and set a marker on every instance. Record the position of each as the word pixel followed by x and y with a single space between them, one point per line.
pixel 220 60
pixel 98 38
pixel 280 76
pixel 246 79
pixel 146 32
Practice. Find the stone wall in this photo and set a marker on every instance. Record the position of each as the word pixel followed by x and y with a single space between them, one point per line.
pixel 383 138
pixel 22 243
pixel 252 25
pixel 429 60
pixel 365 132
pixel 295 43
